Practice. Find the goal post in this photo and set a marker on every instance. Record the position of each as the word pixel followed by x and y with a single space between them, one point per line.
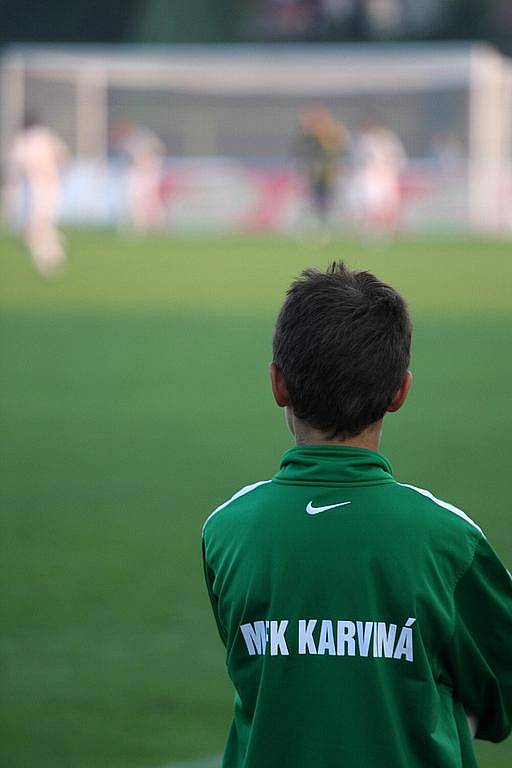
pixel 490 140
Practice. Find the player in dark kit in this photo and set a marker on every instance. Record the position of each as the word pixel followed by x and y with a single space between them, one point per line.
pixel 366 622
pixel 321 141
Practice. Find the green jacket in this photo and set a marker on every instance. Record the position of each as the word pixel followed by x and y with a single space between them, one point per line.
pixel 362 619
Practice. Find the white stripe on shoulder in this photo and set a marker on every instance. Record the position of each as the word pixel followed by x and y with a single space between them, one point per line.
pixel 241 492
pixel 445 504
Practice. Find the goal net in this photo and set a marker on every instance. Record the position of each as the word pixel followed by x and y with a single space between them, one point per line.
pixel 228 117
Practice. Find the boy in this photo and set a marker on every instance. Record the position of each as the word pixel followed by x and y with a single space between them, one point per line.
pixel 367 623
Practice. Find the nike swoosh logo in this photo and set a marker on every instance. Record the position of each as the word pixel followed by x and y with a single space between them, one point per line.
pixel 311 510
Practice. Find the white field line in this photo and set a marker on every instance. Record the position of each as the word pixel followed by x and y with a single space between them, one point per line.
pixel 213 761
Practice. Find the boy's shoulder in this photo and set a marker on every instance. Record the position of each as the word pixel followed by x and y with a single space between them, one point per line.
pixel 436 508
pixel 439 524
pixel 239 498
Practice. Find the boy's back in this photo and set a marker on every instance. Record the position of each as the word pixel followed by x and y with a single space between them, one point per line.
pixel 362 618
pixel 358 602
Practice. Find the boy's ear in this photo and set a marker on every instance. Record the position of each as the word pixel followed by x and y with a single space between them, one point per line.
pixel 279 388
pixel 401 393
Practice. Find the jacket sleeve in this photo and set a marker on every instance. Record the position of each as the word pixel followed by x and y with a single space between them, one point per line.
pixel 209 577
pixel 479 655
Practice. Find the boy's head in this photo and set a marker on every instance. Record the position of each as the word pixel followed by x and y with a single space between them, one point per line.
pixel 341 350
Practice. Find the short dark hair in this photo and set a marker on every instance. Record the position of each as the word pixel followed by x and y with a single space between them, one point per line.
pixel 342 341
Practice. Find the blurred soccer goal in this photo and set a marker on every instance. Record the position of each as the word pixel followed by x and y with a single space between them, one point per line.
pixel 235 110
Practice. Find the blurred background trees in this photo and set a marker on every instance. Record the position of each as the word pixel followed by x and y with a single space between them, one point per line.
pixel 211 21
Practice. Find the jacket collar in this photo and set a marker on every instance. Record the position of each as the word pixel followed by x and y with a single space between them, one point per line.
pixel 333 465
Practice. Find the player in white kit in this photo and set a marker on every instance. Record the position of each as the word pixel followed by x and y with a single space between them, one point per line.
pixel 374 190
pixel 142 153
pixel 35 165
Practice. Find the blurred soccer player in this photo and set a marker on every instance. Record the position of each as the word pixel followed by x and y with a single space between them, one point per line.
pixel 143 152
pixel 320 143
pixel 374 191
pixel 34 183
pixel 367 624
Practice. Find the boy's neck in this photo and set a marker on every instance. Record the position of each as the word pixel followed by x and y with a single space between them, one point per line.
pixel 369 438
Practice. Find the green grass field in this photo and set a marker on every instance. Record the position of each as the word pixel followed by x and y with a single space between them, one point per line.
pixel 134 398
